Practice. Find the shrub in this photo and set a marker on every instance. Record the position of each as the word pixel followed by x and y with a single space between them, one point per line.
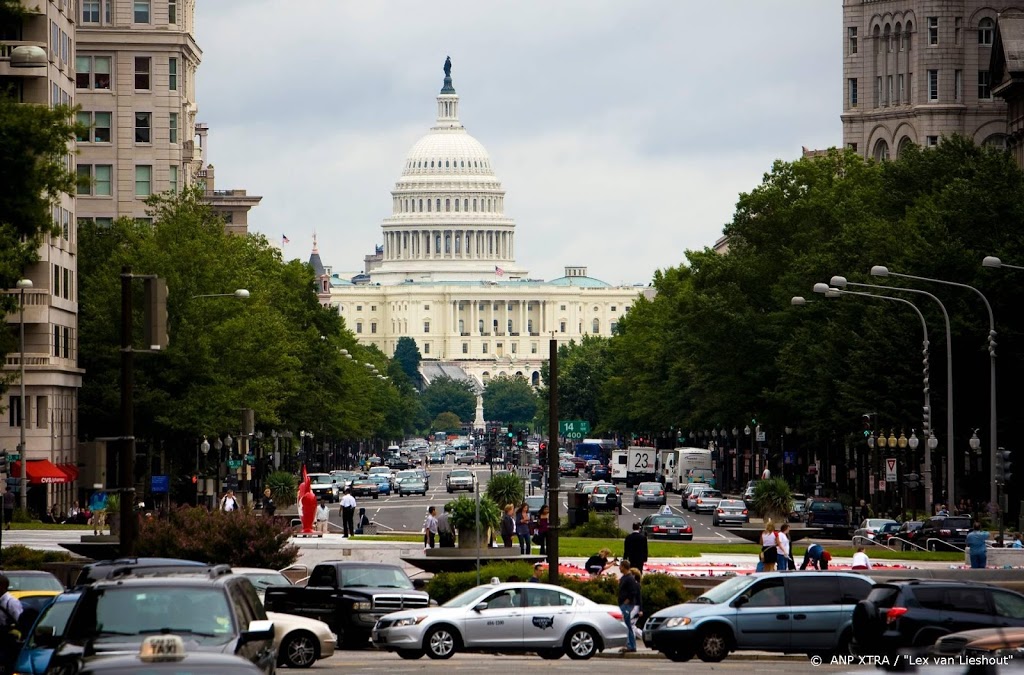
pixel 283 488
pixel 658 591
pixel 18 557
pixel 446 585
pixel 21 516
pixel 772 499
pixel 240 538
pixel 505 489
pixel 463 517
pixel 603 590
pixel 600 527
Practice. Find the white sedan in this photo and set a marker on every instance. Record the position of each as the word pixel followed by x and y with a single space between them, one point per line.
pixel 523 617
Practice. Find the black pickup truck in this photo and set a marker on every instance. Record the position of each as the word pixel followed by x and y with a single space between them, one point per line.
pixel 348 596
pixel 828 515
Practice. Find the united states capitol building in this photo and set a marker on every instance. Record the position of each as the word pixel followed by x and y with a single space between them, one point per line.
pixel 447 276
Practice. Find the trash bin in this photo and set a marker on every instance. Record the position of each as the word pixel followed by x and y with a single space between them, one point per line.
pixel 578 517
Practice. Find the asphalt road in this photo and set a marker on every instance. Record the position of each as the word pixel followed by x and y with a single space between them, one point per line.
pixel 406 514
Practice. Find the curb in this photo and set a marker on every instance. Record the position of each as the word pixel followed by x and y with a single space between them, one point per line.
pixel 651 654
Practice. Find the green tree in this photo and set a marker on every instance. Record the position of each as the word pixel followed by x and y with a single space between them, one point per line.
pixel 505 489
pixel 447 421
pixel 444 394
pixel 407 355
pixel 510 399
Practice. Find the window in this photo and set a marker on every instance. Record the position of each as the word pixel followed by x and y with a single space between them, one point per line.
pixel 767 593
pixel 14 411
pixel 881 153
pixel 508 327
pixel 986 28
pixel 141 11
pixel 483 348
pixel 852 146
pixel 984 84
pixel 901 91
pixel 143 127
pixel 426 308
pixel 67 342
pixel 94 180
pixel 172 11
pixel 373 326
pixel 933 85
pixel 852 82
pixel 426 326
pixel 143 65
pixel 359 326
pixel 172 128
pixel 878 91
pixel 958 31
pixel 958 85
pixel 359 308
pixel 890 98
pixel 561 308
pixel 561 327
pixel 426 347
pixel 56 341
pixel 172 73
pixel 933 30
pixel 98 124
pixel 67 284
pixel 596 327
pixel 816 591
pixel 612 326
pixel 529 325
pixel 41 412
pixel 90 11
pixel 931 141
pixel 613 308
pixel 92 72
pixel 1008 604
pixel 851 33
pixel 533 347
pixel 465 347
pixel 514 345
pixel 173 178
pixel 143 181
pixel 56 281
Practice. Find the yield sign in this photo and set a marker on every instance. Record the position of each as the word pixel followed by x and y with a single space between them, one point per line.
pixel 890 469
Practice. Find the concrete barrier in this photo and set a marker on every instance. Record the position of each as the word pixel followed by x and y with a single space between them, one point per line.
pixel 1001 557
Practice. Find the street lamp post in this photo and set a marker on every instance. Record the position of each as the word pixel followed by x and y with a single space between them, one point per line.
pixel 205 447
pixel 23 285
pixel 925 352
pixel 842 283
pixel 882 271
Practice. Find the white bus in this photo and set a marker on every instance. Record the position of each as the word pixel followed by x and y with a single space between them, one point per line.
pixel 693 465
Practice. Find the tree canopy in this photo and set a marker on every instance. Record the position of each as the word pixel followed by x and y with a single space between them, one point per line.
pixel 510 399
pixel 444 394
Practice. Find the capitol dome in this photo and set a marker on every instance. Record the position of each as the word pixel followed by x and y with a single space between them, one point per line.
pixel 448 217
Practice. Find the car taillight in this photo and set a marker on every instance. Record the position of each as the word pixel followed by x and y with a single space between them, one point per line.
pixel 661 492
pixel 894 614
pixel 721 511
pixel 656 528
pixel 615 615
pixel 639 492
pixel 946 532
pixel 744 512
pixel 687 529
pixel 699 501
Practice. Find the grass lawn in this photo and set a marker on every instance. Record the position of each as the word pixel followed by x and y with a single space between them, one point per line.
pixel 47 526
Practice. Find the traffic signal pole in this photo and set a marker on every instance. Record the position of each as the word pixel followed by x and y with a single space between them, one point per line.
pixel 553 526
pixel 126 463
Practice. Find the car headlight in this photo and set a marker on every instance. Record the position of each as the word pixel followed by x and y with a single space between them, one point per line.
pixel 362 606
pixel 411 621
pixel 677 621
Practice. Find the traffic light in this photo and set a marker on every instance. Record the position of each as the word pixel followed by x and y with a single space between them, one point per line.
pixel 521 438
pixel 911 481
pixel 155 313
pixel 4 467
pixel 926 420
pixel 1001 471
pixel 867 425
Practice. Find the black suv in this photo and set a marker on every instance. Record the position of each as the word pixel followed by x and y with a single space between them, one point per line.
pixel 911 615
pixel 938 531
pixel 212 610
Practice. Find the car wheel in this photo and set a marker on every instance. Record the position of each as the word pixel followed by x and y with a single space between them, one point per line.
pixel 867 627
pixel 713 645
pixel 299 650
pixel 376 496
pixel 845 645
pixel 551 654
pixel 581 643
pixel 441 642
pixel 714 521
pixel 679 655
pixel 410 653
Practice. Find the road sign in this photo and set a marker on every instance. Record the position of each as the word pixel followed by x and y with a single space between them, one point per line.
pixel 234 463
pixel 13 456
pixel 881 486
pixel 160 484
pixel 573 428
pixel 760 437
pixel 890 469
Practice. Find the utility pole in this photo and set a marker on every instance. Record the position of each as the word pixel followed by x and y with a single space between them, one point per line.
pixel 127 450
pixel 553 461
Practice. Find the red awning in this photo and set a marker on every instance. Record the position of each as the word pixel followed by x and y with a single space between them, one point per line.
pixel 70 469
pixel 40 471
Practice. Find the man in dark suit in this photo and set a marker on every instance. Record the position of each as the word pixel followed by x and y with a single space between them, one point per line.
pixel 635 548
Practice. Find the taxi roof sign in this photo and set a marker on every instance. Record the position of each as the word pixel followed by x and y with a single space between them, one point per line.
pixel 162 648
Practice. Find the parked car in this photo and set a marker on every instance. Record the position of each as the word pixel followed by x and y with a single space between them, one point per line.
pixel 776 611
pixel 663 526
pixel 796 514
pixel 828 515
pixel 365 487
pixel 159 654
pixel 730 511
pixel 649 494
pixel 349 597
pixel 913 614
pixel 748 497
pixel 535 502
pixel 412 486
pixel 605 496
pixel 121 567
pixel 707 501
pixel 33 580
pixel 870 529
pixel 907 535
pixel 944 533
pixel 214 610
pixel 513 617
pixel 980 642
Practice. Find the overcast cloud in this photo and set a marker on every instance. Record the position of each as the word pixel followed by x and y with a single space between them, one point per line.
pixel 623 132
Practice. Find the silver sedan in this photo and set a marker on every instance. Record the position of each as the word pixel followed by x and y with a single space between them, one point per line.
pixel 523 617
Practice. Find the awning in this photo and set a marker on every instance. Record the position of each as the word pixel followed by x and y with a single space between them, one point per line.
pixel 70 469
pixel 40 471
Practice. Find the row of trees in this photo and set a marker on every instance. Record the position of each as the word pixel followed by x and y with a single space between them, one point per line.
pixel 721 343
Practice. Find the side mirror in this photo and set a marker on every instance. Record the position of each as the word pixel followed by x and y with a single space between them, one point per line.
pixel 480 607
pixel 419 584
pixel 740 601
pixel 44 636
pixel 259 630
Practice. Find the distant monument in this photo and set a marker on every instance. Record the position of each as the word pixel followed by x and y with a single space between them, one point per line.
pixel 448 88
pixel 448 66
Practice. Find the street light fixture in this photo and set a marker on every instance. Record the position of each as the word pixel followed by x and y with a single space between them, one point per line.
pixel 241 294
pixel 992 261
pixel 23 285
pixel 882 271
pixel 842 283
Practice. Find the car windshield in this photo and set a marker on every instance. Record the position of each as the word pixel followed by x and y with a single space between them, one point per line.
pixel 321 479
pixel 468 598
pixel 709 494
pixel 535 501
pixel 649 486
pixel 826 506
pixel 961 523
pixel 261 580
pixel 726 590
pixel 605 489
pixel 462 473
pixel 33 582
pixel 203 613
pixel 374 577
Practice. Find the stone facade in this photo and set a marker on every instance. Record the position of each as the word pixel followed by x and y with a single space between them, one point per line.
pixel 917 70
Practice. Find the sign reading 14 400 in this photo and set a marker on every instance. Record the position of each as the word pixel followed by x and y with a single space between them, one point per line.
pixel 573 429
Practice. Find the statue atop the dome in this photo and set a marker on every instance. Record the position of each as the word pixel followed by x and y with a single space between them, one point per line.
pixel 448 88
pixel 448 66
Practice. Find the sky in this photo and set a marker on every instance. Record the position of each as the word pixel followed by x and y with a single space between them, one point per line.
pixel 623 132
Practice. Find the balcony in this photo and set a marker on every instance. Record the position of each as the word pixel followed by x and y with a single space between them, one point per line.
pixel 7 70
pixel 37 306
pixel 14 360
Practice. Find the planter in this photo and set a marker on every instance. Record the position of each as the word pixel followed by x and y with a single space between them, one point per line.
pixel 469 540
pixel 114 523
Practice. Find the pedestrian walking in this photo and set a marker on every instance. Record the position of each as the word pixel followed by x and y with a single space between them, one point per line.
pixel 269 507
pixel 323 516
pixel 769 542
pixel 543 523
pixel 9 506
pixel 638 609
pixel 430 528
pixel 523 527
pixel 782 546
pixel 817 557
pixel 445 531
pixel 508 526
pixel 348 510
pixel 629 597
pixel 861 560
pixel 865 510
pixel 98 508
pixel 634 547
pixel 228 503
pixel 976 547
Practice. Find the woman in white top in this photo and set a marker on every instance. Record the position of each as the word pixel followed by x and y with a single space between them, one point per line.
pixel 861 560
pixel 782 546
pixel 769 541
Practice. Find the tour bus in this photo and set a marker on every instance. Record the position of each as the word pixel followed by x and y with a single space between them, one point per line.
pixel 596 448
pixel 693 465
